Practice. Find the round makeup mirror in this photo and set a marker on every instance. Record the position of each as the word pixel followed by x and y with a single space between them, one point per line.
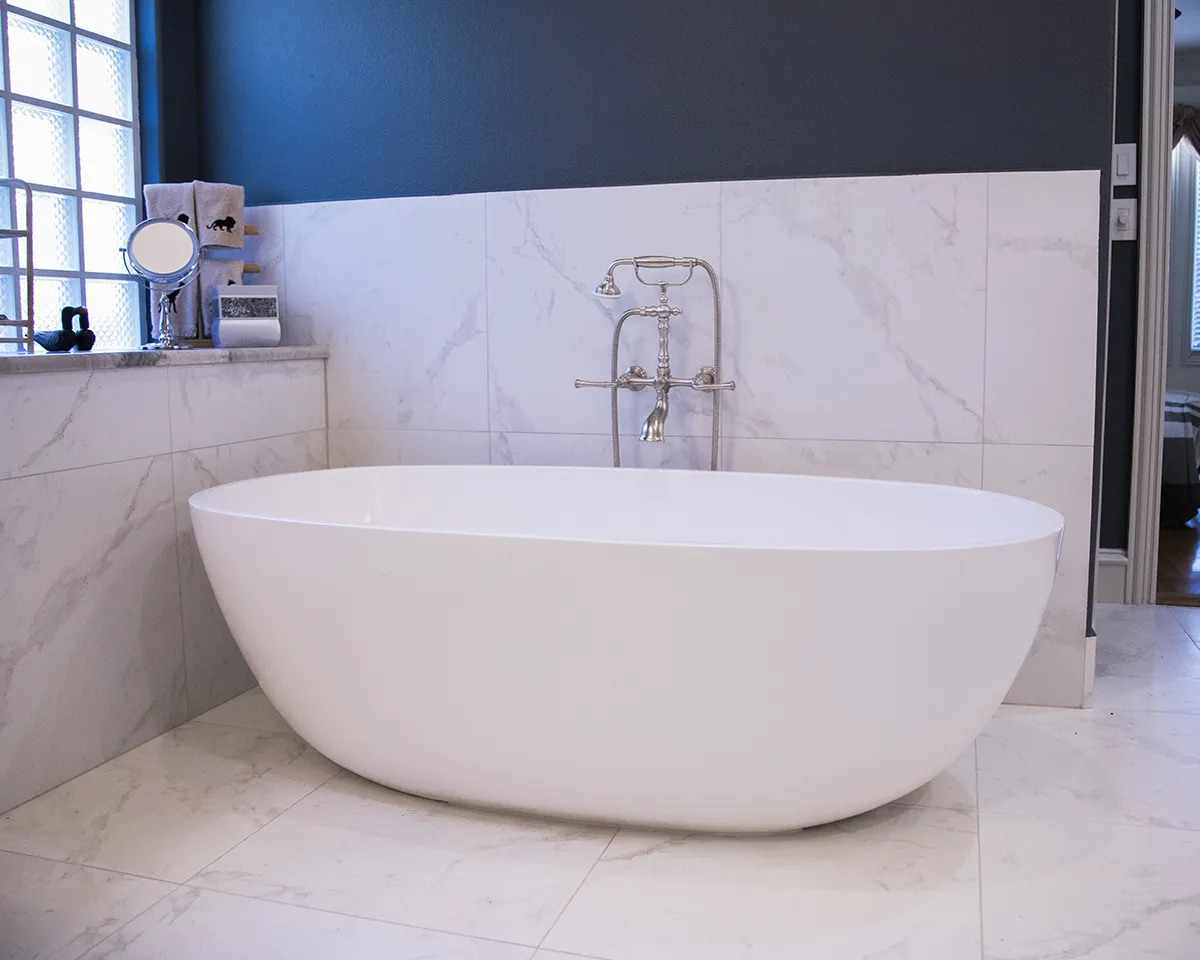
pixel 166 254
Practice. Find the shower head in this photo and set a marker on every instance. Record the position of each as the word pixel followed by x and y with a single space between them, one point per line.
pixel 608 288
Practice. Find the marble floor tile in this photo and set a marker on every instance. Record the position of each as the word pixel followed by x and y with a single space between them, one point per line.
pixel 171 806
pixel 195 924
pixel 900 883
pixel 1144 641
pixel 1189 619
pixel 1134 767
pixel 56 911
pixel 952 789
pixel 1054 890
pixel 555 955
pixel 252 711
pixel 356 847
pixel 1163 694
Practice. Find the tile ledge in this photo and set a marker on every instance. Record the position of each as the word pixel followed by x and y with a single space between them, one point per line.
pixel 130 359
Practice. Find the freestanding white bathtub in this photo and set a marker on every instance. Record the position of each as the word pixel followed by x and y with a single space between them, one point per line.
pixel 723 652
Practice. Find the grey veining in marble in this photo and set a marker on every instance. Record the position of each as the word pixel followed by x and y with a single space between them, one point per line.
pixel 213 405
pixel 130 359
pixel 395 288
pixel 843 292
pixel 60 421
pixel 91 656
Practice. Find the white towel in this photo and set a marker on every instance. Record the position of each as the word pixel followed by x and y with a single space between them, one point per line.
pixel 176 201
pixel 214 274
pixel 183 306
pixel 221 209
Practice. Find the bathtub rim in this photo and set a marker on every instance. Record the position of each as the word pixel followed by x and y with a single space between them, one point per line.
pixel 1050 521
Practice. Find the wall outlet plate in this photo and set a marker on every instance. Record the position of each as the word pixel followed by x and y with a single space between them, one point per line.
pixel 1123 219
pixel 1124 168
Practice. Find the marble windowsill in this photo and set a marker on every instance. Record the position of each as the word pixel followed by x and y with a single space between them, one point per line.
pixel 125 359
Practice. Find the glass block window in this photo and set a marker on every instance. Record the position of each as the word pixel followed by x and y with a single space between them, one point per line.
pixel 68 127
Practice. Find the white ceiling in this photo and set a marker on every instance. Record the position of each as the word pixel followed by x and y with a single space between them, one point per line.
pixel 1187 27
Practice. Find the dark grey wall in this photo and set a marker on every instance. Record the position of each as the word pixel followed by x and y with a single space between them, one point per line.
pixel 1123 294
pixel 304 100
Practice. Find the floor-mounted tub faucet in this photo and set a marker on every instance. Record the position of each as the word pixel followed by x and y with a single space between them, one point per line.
pixel 707 380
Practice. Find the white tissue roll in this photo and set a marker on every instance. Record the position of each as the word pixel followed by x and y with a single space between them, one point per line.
pixel 247 332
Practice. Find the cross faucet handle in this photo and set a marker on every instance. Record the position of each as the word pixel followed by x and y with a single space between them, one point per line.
pixel 706 381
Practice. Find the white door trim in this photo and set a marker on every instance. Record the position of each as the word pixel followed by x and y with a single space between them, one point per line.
pixel 1145 493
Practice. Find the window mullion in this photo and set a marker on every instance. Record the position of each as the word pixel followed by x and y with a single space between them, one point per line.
pixel 78 158
pixel 12 161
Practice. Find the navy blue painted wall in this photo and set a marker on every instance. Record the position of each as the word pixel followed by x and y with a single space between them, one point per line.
pixel 167 87
pixel 304 100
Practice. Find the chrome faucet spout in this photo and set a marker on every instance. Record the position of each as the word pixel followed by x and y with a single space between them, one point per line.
pixel 654 430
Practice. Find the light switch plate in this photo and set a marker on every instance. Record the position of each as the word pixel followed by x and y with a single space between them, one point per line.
pixel 1123 219
pixel 1124 169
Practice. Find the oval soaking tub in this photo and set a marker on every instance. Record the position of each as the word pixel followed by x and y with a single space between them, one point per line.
pixel 704 651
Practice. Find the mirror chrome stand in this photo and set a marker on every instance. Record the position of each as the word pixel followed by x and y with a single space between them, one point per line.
pixel 707 379
pixel 166 328
pixel 155 254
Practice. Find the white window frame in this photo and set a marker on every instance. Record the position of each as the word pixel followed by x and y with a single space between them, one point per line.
pixel 1190 352
pixel 7 98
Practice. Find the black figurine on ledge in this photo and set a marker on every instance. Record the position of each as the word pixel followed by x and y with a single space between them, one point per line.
pixel 59 341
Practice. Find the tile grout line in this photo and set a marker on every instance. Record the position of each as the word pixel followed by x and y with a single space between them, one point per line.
pixel 987 264
pixel 353 916
pixel 89 866
pixel 259 828
pixel 776 439
pixel 274 733
pixel 575 892
pixel 1120 825
pixel 487 328
pixel 979 852
pixel 171 453
pixel 187 693
pixel 1182 626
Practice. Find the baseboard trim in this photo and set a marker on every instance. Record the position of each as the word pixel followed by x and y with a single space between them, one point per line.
pixel 1112 567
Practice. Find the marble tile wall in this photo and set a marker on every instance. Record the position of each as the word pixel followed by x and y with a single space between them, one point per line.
pixel 109 634
pixel 932 328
